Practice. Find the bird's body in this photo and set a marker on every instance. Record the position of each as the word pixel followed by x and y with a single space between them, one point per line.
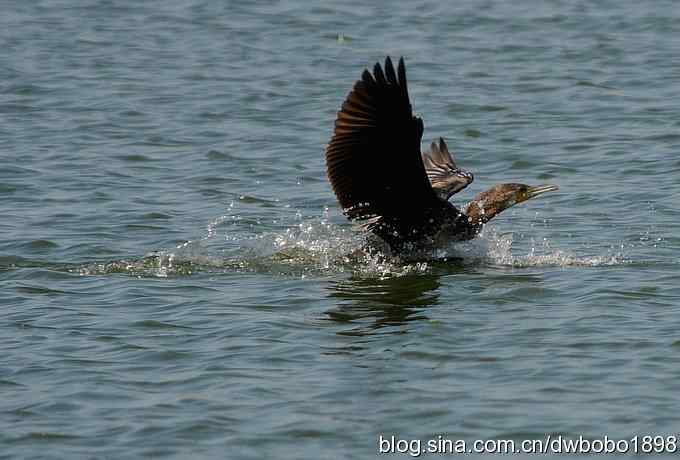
pixel 380 176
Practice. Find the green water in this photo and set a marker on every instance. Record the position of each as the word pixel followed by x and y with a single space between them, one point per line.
pixel 176 279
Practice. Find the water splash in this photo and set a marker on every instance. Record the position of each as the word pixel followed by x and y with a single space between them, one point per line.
pixel 542 254
pixel 313 246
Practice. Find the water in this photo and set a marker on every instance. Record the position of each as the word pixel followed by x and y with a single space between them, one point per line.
pixel 177 279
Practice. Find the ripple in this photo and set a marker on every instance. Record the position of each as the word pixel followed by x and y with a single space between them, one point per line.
pixel 38 290
pixel 40 244
pixel 153 324
pixel 7 188
pixel 171 284
pixel 156 216
pixel 136 158
pixel 218 156
pixel 315 247
pixel 47 436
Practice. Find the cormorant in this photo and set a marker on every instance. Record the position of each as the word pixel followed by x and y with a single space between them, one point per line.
pixel 380 177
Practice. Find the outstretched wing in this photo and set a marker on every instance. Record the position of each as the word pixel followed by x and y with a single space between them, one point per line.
pixel 373 160
pixel 446 178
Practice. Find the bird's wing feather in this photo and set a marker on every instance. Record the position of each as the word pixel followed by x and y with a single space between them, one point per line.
pixel 439 157
pixel 373 160
pixel 444 175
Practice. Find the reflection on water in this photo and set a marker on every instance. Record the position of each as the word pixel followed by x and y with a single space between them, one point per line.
pixel 175 270
pixel 370 304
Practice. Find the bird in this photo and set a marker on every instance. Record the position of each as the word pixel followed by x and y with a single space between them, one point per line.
pixel 382 179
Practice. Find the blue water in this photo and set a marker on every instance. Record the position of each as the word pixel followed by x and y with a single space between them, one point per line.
pixel 176 279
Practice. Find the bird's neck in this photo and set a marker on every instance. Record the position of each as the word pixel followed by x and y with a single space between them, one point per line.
pixel 485 206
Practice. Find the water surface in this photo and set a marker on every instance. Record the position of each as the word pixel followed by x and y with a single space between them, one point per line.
pixel 174 268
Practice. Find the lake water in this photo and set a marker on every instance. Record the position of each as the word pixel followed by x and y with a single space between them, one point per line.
pixel 174 279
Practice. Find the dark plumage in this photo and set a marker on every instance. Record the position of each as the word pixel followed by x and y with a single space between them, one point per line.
pixel 445 177
pixel 380 177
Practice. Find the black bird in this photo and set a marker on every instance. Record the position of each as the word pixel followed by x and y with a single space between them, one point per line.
pixel 380 177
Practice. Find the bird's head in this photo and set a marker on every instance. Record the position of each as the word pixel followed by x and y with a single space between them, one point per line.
pixel 489 203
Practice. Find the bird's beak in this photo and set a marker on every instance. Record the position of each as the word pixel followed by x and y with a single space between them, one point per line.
pixel 533 192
